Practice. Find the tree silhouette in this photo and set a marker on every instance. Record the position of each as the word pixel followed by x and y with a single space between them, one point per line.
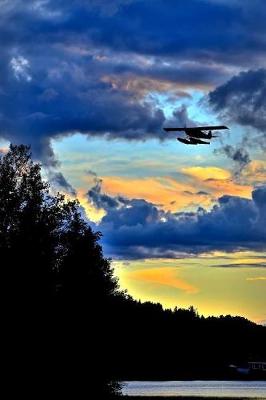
pixel 55 282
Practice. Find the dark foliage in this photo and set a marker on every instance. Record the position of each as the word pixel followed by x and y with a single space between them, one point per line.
pixel 157 344
pixel 55 284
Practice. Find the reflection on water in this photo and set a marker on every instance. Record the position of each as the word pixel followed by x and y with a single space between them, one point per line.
pixel 254 389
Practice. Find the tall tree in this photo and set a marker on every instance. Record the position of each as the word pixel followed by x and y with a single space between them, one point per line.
pixel 44 236
pixel 55 279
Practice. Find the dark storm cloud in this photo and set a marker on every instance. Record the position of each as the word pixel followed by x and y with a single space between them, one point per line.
pixel 243 100
pixel 102 200
pixel 198 28
pixel 62 62
pixel 138 229
pixel 239 155
pixel 167 27
pixel 59 182
pixel 199 193
pixel 39 104
pixel 203 193
pixel 180 118
pixel 246 265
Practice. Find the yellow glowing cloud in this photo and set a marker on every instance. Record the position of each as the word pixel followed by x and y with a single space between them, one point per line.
pixel 173 195
pixel 222 187
pixel 198 282
pixel 257 278
pixel 248 261
pixel 93 213
pixel 165 276
pixel 204 173
pixel 255 172
pixel 205 184
pixel 218 181
pixel 167 192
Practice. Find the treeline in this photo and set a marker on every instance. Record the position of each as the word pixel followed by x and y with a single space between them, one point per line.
pixel 177 344
pixel 67 330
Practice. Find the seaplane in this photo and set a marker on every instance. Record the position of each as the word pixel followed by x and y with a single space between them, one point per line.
pixel 195 134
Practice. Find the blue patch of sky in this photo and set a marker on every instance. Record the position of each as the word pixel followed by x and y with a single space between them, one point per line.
pixel 150 158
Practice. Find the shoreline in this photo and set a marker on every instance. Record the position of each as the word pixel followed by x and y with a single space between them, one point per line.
pixel 189 398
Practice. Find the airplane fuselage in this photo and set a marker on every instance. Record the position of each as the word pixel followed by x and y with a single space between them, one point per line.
pixel 198 134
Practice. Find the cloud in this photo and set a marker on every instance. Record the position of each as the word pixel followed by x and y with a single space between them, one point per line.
pixel 241 100
pixel 205 173
pixel 165 192
pixel 144 27
pixel 257 278
pixel 242 265
pixel 59 99
pixel 88 66
pixel 239 155
pixel 188 28
pixel 108 8
pixel 101 200
pixel 166 276
pixel 180 118
pixel 255 172
pixel 194 186
pixel 202 193
pixel 59 183
pixel 20 67
pixel 143 83
pixel 216 182
pixel 3 150
pixel 138 229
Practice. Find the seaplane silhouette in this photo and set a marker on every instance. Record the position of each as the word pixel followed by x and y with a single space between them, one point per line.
pixel 195 134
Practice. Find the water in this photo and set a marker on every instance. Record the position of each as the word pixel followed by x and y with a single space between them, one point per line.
pixel 240 389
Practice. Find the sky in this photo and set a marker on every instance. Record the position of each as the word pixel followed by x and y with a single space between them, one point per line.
pixel 90 86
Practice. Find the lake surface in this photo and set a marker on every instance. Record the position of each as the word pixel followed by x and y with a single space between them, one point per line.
pixel 256 389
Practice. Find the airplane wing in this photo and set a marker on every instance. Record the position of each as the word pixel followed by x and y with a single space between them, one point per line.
pixel 209 128
pixel 196 128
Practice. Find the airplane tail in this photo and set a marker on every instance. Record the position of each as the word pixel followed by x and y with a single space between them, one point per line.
pixel 210 135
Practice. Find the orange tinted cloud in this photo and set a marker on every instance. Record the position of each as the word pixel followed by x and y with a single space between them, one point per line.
pixel 217 181
pixel 213 291
pixel 203 173
pixel 203 186
pixel 223 187
pixel 167 192
pixel 199 186
pixel 255 172
pixel 93 213
pixel 141 86
pixel 4 150
pixel 165 276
